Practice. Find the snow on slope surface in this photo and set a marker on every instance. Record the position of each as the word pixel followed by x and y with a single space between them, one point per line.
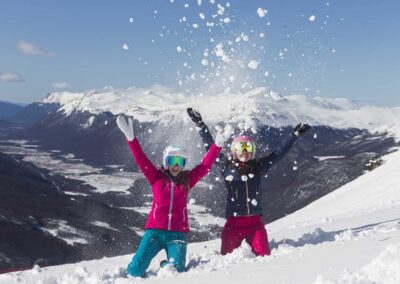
pixel 244 109
pixel 349 236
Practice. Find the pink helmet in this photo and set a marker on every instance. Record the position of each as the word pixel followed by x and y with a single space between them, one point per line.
pixel 251 142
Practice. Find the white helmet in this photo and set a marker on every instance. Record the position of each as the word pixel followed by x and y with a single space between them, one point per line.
pixel 173 150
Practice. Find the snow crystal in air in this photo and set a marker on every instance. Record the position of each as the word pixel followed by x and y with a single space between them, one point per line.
pixel 251 175
pixel 253 64
pixel 186 5
pixel 244 178
pixel 262 35
pixel 179 49
pixel 192 201
pixel 131 20
pixel 227 20
pixel 202 16
pixel 311 18
pixel 204 62
pixel 125 46
pixel 266 74
pixel 261 12
pixel 229 178
pixel 295 168
pixel 254 202
pixel 195 26
pixel 219 51
pixel 221 10
pixel 315 136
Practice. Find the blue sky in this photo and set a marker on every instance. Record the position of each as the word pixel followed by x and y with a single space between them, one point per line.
pixel 350 50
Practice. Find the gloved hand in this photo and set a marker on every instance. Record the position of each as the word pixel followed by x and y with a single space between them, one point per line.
pixel 223 135
pixel 195 116
pixel 126 127
pixel 301 129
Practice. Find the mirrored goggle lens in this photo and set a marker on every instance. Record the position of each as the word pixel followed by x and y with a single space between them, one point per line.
pixel 174 160
pixel 241 146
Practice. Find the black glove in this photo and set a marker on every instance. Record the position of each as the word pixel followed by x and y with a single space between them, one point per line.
pixel 195 116
pixel 301 129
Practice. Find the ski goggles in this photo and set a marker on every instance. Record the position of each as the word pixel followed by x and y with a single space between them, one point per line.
pixel 242 146
pixel 176 160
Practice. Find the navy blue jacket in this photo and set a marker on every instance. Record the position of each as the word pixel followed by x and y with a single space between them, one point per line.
pixel 243 180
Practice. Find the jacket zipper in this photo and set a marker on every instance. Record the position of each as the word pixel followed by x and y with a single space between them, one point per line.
pixel 183 212
pixel 247 199
pixel 171 201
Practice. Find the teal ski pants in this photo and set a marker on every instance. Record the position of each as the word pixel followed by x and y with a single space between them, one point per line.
pixel 174 243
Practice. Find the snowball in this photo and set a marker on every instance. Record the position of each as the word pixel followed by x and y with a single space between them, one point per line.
pixel 253 64
pixel 261 12
pixel 311 18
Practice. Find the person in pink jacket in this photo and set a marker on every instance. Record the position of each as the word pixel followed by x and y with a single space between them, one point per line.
pixel 167 223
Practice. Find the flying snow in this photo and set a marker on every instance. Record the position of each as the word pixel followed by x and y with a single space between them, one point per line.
pixel 261 12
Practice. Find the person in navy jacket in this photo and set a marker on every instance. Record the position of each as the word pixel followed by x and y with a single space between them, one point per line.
pixel 242 174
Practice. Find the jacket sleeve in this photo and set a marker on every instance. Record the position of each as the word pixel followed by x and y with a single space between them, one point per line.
pixel 198 172
pixel 145 165
pixel 208 140
pixel 267 162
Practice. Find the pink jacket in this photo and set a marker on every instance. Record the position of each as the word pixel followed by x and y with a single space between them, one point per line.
pixel 169 208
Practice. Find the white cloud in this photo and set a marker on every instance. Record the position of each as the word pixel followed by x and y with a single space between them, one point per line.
pixel 60 85
pixel 8 77
pixel 29 49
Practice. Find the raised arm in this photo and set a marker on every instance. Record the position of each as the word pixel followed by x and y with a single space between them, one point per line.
pixel 267 162
pixel 198 172
pixel 204 132
pixel 144 164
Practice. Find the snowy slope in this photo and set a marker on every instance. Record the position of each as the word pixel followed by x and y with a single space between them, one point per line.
pixel 242 109
pixel 349 236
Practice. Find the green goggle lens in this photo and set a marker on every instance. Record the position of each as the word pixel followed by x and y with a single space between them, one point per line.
pixel 175 160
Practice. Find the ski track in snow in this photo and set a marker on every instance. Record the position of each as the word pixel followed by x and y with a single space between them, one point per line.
pixel 333 240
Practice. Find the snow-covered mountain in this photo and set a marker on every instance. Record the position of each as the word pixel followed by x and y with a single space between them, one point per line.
pixel 349 236
pixel 74 135
pixel 260 105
